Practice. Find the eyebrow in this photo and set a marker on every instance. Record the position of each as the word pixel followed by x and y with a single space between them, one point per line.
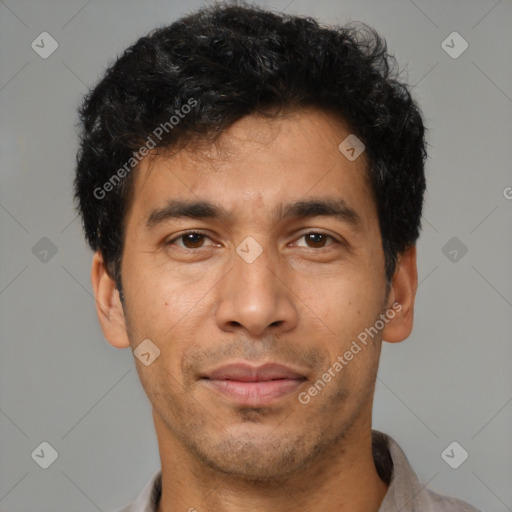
pixel 200 210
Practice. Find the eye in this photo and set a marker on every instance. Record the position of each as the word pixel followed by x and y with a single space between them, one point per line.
pixel 317 239
pixel 195 240
pixel 190 239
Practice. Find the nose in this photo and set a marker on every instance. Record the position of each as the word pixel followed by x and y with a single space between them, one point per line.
pixel 256 296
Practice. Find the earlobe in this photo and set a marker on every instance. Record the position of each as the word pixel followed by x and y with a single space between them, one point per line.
pixel 108 304
pixel 401 298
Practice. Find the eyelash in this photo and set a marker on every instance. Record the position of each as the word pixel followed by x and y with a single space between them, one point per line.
pixel 195 232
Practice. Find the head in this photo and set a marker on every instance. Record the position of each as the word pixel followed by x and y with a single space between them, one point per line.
pixel 227 125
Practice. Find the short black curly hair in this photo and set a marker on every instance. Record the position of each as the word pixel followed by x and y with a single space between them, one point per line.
pixel 230 61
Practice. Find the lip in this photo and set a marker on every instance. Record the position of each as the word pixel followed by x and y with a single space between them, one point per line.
pixel 254 386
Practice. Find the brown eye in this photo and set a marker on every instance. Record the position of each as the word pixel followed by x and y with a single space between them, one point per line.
pixel 191 240
pixel 315 240
pixel 194 239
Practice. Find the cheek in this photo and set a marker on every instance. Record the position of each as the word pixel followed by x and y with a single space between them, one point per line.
pixel 162 296
pixel 348 307
pixel 348 299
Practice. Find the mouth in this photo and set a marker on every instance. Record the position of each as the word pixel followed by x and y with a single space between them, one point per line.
pixel 253 386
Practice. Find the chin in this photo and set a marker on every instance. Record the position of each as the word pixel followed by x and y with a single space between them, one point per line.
pixel 260 459
pixel 253 469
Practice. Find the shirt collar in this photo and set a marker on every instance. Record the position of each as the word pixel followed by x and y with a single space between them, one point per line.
pixel 147 500
pixel 404 485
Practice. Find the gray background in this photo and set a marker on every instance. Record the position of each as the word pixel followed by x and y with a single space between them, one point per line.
pixel 62 383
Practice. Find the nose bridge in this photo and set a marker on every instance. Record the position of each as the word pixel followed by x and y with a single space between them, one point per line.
pixel 255 267
pixel 254 280
pixel 251 295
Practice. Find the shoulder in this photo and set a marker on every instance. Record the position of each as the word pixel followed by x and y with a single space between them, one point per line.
pixel 442 503
pixel 405 491
pixel 147 500
pixel 128 508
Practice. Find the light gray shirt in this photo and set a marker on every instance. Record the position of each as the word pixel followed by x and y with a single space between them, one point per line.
pixel 405 493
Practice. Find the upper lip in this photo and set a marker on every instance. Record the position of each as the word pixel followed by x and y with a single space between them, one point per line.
pixel 245 372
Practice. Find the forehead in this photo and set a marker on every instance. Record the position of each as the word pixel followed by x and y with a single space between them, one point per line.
pixel 257 164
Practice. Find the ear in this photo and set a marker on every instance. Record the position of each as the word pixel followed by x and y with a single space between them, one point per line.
pixel 108 304
pixel 401 297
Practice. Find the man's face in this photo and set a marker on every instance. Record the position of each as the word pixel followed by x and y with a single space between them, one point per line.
pixel 211 299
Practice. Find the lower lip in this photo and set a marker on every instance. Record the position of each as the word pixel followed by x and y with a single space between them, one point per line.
pixel 255 393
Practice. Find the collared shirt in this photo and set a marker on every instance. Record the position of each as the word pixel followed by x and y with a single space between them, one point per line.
pixel 405 493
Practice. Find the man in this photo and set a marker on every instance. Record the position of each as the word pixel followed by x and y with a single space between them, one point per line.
pixel 252 186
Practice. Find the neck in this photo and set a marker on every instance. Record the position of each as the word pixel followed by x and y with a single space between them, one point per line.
pixel 342 479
